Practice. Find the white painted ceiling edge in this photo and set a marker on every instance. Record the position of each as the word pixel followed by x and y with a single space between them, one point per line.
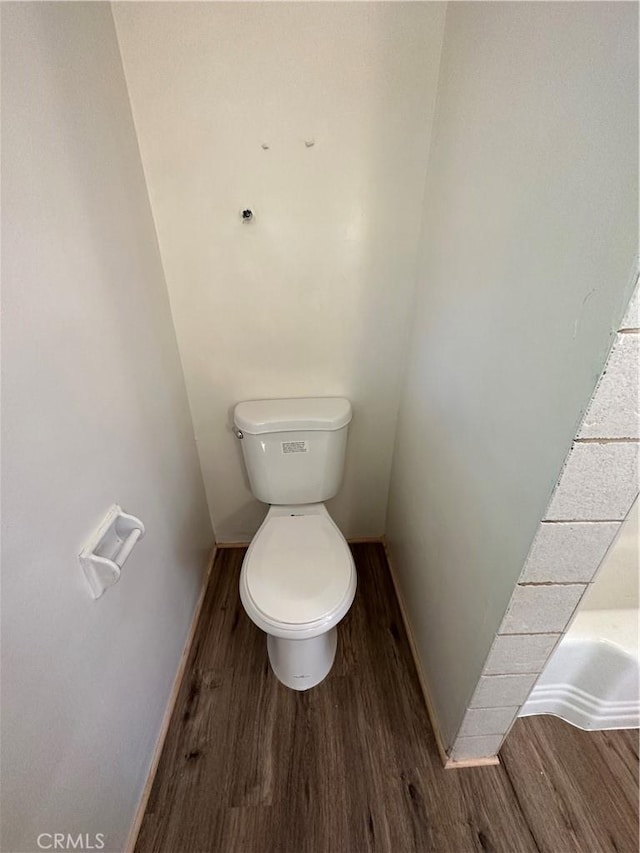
pixel 313 297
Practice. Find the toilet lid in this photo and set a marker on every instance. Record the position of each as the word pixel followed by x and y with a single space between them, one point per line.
pixel 299 568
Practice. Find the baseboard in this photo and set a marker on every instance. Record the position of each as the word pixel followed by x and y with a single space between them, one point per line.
pixel 164 728
pixel 490 761
pixel 435 725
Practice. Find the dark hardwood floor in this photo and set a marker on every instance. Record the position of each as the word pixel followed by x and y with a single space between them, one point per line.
pixel 352 765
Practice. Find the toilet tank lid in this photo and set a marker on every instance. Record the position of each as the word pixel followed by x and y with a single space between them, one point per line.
pixel 292 415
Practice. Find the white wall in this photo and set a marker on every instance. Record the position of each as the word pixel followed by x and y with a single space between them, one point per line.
pixel 94 411
pixel 616 584
pixel 313 297
pixel 529 236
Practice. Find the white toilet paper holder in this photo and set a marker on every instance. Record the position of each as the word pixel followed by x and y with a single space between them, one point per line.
pixel 107 550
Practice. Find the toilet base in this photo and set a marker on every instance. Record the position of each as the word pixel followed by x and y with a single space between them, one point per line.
pixel 301 664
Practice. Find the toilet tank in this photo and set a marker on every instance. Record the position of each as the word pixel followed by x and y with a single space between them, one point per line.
pixel 294 449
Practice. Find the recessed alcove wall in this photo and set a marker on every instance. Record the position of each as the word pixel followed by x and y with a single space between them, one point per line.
pixel 318 117
pixel 445 228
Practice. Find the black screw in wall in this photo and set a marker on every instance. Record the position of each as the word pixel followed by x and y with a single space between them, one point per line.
pixel 247 215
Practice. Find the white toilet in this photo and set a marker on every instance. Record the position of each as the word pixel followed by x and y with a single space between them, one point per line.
pixel 298 577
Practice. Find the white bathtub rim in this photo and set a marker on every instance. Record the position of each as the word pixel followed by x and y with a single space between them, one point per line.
pixel 568 712
pixel 581 709
pixel 592 679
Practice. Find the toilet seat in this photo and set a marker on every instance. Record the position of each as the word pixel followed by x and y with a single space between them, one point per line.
pixel 298 575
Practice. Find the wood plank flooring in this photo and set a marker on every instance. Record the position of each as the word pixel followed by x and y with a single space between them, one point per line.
pixel 351 765
pixel 578 790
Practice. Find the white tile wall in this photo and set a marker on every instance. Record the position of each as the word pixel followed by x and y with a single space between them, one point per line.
pixel 476 747
pixel 500 691
pixel 614 409
pixel 599 482
pixel 541 609
pixel 517 653
pixel 487 721
pixel 568 552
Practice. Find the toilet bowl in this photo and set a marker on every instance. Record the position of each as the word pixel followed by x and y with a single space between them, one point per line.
pixel 298 580
pixel 298 577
